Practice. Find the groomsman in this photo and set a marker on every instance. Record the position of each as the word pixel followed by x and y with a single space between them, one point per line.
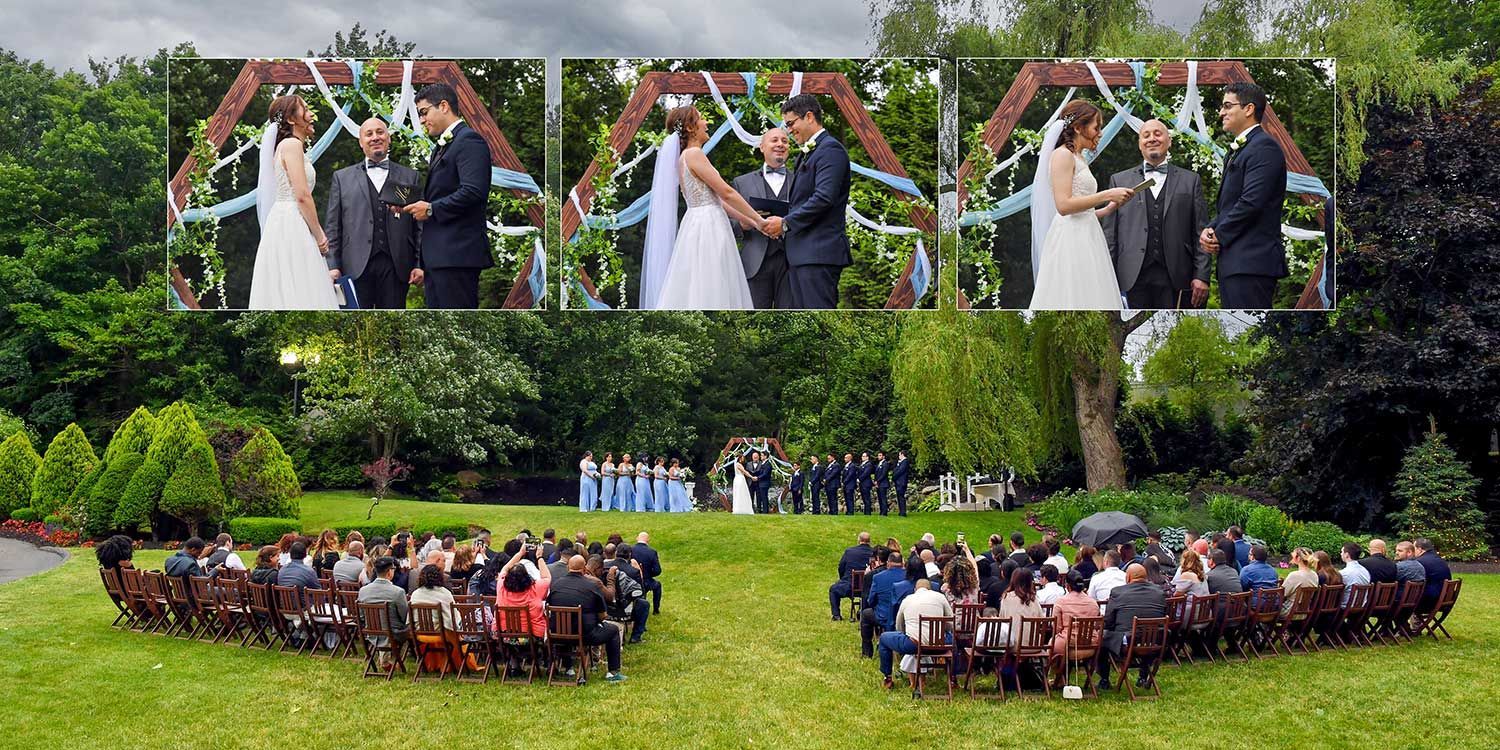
pixel 831 477
pixel 866 475
pixel 899 474
pixel 379 250
pixel 794 486
pixel 851 480
pixel 814 482
pixel 882 481
pixel 763 485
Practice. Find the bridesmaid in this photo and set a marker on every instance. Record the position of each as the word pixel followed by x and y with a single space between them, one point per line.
pixel 659 486
pixel 607 489
pixel 588 478
pixel 625 488
pixel 678 495
pixel 643 498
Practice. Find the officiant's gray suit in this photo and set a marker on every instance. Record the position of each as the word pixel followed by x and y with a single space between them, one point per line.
pixel 350 217
pixel 764 258
pixel 1153 240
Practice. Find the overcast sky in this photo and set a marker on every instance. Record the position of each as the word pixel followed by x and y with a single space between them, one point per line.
pixel 65 34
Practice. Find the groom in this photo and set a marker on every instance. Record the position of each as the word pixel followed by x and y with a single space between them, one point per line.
pixel 1153 238
pixel 1246 233
pixel 455 242
pixel 817 248
pixel 379 249
pixel 764 257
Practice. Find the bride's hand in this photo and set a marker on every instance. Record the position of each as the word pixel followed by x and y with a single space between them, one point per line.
pixel 1119 195
pixel 323 244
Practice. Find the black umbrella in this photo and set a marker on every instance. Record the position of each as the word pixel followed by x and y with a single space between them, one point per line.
pixel 1108 528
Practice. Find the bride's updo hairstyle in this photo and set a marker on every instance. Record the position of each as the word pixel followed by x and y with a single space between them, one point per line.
pixel 1075 116
pixel 283 108
pixel 683 121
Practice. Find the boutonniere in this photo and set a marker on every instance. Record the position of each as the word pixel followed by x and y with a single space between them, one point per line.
pixel 1239 140
pixel 444 138
pixel 811 144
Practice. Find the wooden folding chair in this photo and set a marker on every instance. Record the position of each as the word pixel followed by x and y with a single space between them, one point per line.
pixel 1176 625
pixel 990 644
pixel 346 586
pixel 512 635
pixel 180 599
pixel 349 612
pixel 1033 646
pixel 263 622
pixel 148 614
pixel 1326 617
pixel 429 635
pixel 1233 624
pixel 111 581
pixel 289 611
pixel 473 631
pixel 1382 606
pixel 1148 642
pixel 206 607
pixel 1198 626
pixel 1081 648
pixel 934 648
pixel 324 616
pixel 1407 602
pixel 1264 627
pixel 379 638
pixel 856 593
pixel 1298 623
pixel 564 636
pixel 1354 612
pixel 232 604
pixel 1447 597
pixel 965 621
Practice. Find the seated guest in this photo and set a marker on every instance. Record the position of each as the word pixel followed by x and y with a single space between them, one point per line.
pixel 908 630
pixel 184 563
pixel 449 546
pixel 1086 561
pixel 1129 556
pixel 382 590
pixel 1155 576
pixel 434 557
pixel 1190 579
pixel 1019 601
pixel 990 587
pixel 559 566
pixel 576 589
pixel 1037 557
pixel 961 579
pixel 1191 540
pixel 297 573
pixel 1380 567
pixel 929 563
pixel 1137 598
pixel 1223 542
pixel 1354 574
pixel 630 599
pixel 1108 577
pixel 650 565
pixel 1408 568
pixel 1305 575
pixel 1222 577
pixel 1241 548
pixel 463 563
pixel 353 564
pixel 223 555
pixel 549 546
pixel 375 551
pixel 432 589
pixel 1018 549
pixel 854 558
pixel 1327 574
pixel 519 589
pixel 1073 604
pixel 1163 555
pixel 325 552
pixel 284 549
pixel 996 551
pixel 1050 591
pixel 427 543
pixel 887 588
pixel 267 564
pixel 1436 569
pixel 1257 574
pixel 115 552
pixel 1055 557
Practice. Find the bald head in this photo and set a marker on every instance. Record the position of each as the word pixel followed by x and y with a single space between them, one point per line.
pixel 356 549
pixel 374 139
pixel 576 564
pixel 642 538
pixel 864 537
pixel 435 557
pixel 774 147
pixel 923 583
pixel 927 556
pixel 1155 140
pixel 1377 546
pixel 1136 572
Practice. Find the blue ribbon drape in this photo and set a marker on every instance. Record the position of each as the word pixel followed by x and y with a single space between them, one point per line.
pixel 921 277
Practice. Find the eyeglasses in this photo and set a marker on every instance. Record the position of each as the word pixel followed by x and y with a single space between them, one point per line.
pixel 422 111
pixel 1231 105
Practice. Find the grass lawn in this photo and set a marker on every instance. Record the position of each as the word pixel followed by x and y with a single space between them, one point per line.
pixel 743 655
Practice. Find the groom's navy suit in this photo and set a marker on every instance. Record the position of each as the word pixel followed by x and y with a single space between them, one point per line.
pixel 455 242
pixel 899 475
pixel 763 487
pixel 882 484
pixel 1252 255
pixel 831 477
pixel 817 247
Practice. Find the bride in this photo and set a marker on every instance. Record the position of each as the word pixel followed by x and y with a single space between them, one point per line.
pixel 290 272
pixel 1073 266
pixel 695 266
pixel 741 497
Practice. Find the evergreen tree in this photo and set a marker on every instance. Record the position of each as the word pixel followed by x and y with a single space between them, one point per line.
pixel 194 494
pixel 18 463
pixel 262 480
pixel 68 461
pixel 1439 494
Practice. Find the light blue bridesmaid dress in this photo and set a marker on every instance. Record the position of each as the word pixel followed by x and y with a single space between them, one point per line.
pixel 678 495
pixel 625 488
pixel 643 498
pixel 659 490
pixel 607 489
pixel 588 489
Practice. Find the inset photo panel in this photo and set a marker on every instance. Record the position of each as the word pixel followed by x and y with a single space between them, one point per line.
pixel 749 184
pixel 356 184
pixel 1146 185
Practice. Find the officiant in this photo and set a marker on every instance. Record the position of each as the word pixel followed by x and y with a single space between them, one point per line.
pixel 1153 238
pixel 764 258
pixel 379 249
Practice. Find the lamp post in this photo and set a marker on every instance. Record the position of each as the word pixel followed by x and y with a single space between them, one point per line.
pixel 294 363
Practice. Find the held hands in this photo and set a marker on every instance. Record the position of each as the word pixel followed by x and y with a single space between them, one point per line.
pixel 421 210
pixel 772 227
pixel 333 275
pixel 1209 241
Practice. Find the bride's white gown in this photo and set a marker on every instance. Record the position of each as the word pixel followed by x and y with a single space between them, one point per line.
pixel 290 273
pixel 705 272
pixel 741 497
pixel 1076 272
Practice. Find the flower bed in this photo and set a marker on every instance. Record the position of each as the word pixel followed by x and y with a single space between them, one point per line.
pixel 37 533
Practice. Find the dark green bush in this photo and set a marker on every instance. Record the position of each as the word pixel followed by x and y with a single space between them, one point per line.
pixel 258 530
pixel 1271 526
pixel 104 496
pixel 18 462
pixel 1438 491
pixel 25 514
pixel 68 460
pixel 194 493
pixel 1319 535
pixel 262 481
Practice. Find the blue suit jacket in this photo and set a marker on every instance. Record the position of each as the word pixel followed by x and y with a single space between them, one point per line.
pixel 458 187
pixel 903 467
pixel 851 476
pixel 1248 223
pixel 815 233
pixel 882 473
pixel 832 474
pixel 815 478
pixel 795 485
pixel 650 562
pixel 882 596
pixel 866 473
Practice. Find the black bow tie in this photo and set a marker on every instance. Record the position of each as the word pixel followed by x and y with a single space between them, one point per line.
pixel 776 170
pixel 375 165
pixel 1149 168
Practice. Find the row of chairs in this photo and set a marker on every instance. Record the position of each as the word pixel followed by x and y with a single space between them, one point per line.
pixel 333 621
pixel 1250 622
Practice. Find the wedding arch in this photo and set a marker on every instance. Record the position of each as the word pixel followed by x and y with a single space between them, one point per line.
pixel 1188 120
pixel 916 279
pixel 507 171
pixel 739 448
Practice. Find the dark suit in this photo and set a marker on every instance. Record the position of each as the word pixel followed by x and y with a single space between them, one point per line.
pixel 1382 569
pixel 763 487
pixel 455 241
pixel 882 483
pixel 794 486
pixel 650 564
pixel 851 481
pixel 764 258
pixel 573 590
pixel 365 242
pixel 1155 268
pixel 815 485
pixel 832 476
pixel 854 558
pixel 1252 254
pixel 1437 572
pixel 1127 602
pixel 866 482
pixel 899 475
pixel 817 247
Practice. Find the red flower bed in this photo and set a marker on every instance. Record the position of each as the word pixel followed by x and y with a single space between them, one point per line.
pixel 36 533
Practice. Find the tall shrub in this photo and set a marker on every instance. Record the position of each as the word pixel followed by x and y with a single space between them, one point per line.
pixel 262 480
pixel 176 431
pixel 68 460
pixel 1438 492
pixel 194 494
pixel 18 463
pixel 133 435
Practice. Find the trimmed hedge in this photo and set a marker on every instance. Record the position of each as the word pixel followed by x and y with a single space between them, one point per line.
pixel 18 463
pixel 1319 535
pixel 194 493
pixel 25 514
pixel 370 529
pixel 68 460
pixel 262 480
pixel 260 530
pixel 138 503
pixel 132 436
pixel 176 432
pixel 104 498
